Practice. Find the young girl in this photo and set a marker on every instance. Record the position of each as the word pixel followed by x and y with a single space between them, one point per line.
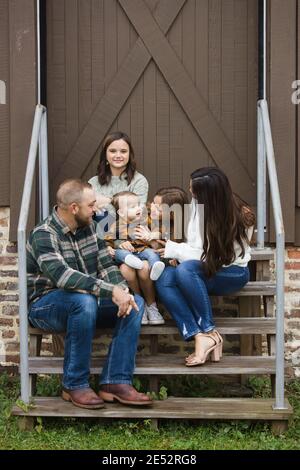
pixel 168 216
pixel 214 265
pixel 116 172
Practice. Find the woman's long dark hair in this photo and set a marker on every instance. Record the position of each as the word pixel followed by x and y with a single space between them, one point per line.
pixel 104 171
pixel 226 218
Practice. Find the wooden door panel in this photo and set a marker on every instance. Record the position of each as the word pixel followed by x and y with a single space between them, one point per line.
pixel 187 97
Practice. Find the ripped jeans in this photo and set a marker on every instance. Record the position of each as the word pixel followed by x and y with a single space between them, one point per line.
pixel 185 291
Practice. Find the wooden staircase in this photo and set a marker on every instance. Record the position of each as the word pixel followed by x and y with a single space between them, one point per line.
pixel 256 318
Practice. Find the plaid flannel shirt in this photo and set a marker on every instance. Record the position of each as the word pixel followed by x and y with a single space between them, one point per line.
pixel 59 259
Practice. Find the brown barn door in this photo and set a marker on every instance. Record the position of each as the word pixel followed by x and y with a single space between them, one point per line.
pixel 180 76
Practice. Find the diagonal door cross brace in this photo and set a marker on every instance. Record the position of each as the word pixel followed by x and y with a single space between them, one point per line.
pixel 189 97
pixel 115 97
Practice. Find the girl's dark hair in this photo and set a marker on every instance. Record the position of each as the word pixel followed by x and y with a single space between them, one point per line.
pixel 170 196
pixel 173 195
pixel 104 171
pixel 226 218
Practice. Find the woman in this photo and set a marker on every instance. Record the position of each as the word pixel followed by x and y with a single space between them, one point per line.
pixel 212 264
pixel 117 172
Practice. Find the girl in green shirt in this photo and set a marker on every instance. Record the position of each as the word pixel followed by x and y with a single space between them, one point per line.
pixel 117 172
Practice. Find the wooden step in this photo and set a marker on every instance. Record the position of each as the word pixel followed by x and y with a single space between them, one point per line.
pixel 164 364
pixel 232 326
pixel 264 254
pixel 257 288
pixel 171 408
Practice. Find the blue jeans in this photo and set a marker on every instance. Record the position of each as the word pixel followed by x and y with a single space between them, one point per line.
pixel 78 315
pixel 146 255
pixel 185 291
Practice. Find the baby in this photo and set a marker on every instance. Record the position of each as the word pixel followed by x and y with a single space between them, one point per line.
pixel 127 247
pixel 130 249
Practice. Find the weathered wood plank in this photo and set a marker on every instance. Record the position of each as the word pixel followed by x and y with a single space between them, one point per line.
pixel 4 104
pixel 283 66
pixel 167 365
pixel 262 255
pixel 298 124
pixel 22 38
pixel 252 85
pixel 241 81
pixel 224 325
pixel 117 92
pixel 245 310
pixel 188 96
pixel 176 408
pixel 72 72
pixel 177 148
pixel 257 288
pixel 215 59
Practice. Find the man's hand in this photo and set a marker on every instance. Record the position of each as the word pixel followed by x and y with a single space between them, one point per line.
pixel 124 301
pixel 111 251
pixel 127 246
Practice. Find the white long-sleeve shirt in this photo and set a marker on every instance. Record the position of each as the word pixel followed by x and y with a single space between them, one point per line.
pixel 193 248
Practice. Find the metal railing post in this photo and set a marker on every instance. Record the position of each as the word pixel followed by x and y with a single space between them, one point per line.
pixel 23 217
pixel 279 381
pixel 261 182
pixel 280 252
pixel 43 169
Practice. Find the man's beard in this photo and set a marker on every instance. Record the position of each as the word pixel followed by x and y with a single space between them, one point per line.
pixel 81 222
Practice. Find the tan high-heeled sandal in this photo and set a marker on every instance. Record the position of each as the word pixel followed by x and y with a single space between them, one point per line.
pixel 214 352
pixel 220 342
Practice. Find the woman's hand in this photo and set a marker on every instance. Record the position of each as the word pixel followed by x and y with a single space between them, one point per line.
pixel 102 202
pixel 161 252
pixel 127 246
pixel 143 233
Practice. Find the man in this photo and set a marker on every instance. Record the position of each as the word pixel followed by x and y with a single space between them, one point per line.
pixel 72 285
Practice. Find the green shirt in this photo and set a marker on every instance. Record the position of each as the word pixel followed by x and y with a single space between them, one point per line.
pixel 59 259
pixel 139 185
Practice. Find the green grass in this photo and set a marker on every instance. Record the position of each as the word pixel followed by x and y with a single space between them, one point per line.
pixel 123 434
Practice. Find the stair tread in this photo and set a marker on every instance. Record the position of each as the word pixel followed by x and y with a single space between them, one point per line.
pixel 232 325
pixel 264 254
pixel 254 288
pixel 184 408
pixel 164 364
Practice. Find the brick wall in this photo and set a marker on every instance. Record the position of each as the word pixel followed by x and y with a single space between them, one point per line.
pixel 9 335
pixel 292 308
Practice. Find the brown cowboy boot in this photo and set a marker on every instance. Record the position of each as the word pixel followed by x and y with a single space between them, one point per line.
pixel 124 393
pixel 84 398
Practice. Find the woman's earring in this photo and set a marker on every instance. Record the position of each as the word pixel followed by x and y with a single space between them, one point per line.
pixel 107 163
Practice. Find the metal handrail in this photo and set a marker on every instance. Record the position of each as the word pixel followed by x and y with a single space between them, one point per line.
pixel 38 141
pixel 266 156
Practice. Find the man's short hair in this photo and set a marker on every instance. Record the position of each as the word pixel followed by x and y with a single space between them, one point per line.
pixel 70 191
